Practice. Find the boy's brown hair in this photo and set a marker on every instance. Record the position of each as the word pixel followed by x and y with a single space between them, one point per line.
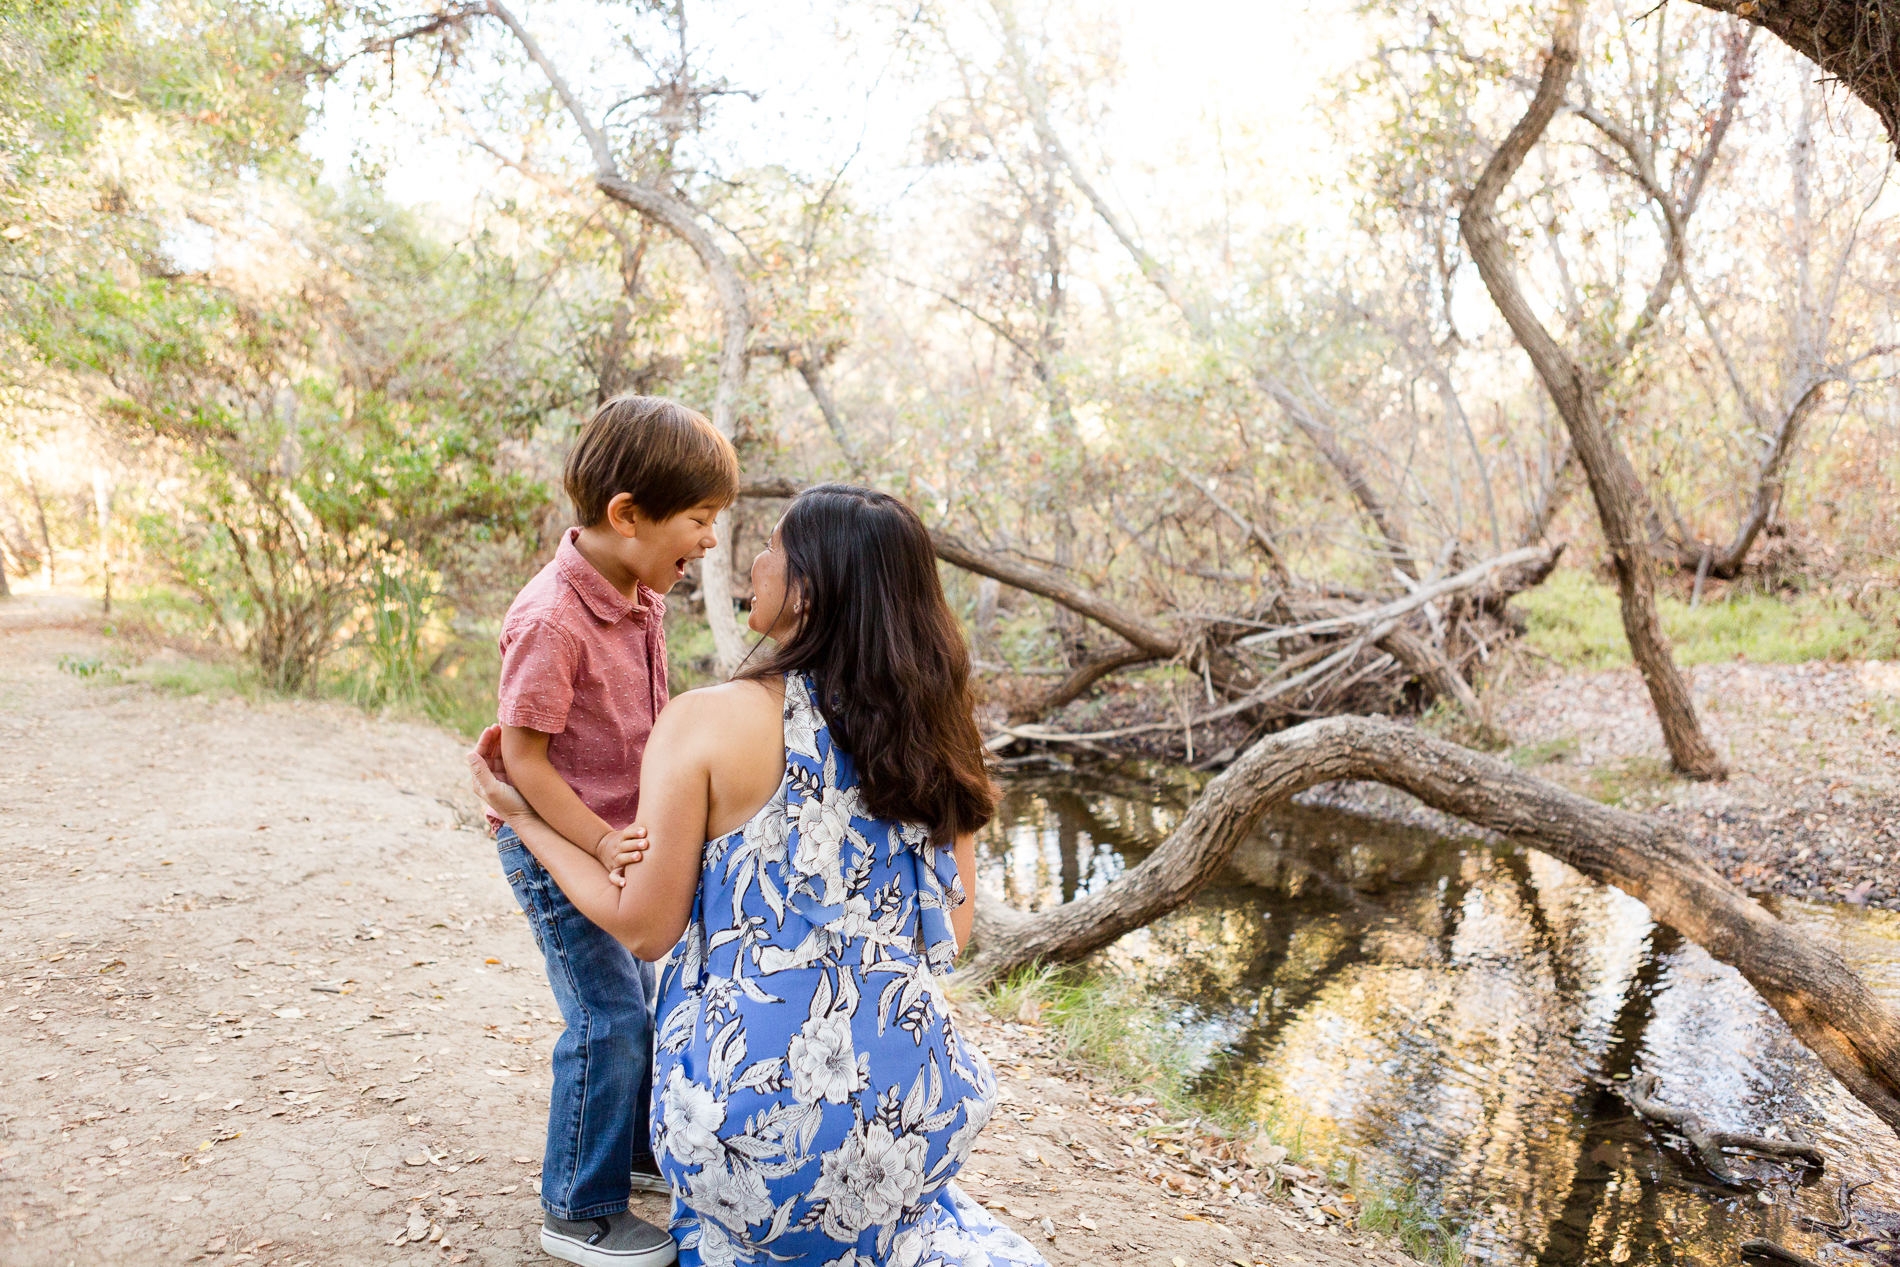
pixel 665 456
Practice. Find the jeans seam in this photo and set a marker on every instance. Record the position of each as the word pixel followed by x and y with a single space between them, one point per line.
pixel 545 919
pixel 573 1178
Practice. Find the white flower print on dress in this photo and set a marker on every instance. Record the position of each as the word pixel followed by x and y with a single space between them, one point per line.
pixel 870 1179
pixel 823 826
pixel 693 1116
pixel 715 1247
pixel 828 1134
pixel 824 1065
pixel 734 1196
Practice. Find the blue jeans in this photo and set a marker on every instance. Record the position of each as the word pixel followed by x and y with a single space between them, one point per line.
pixel 603 1062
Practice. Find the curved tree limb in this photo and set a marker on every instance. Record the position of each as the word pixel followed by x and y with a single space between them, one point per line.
pixel 1158 643
pixel 1077 683
pixel 683 222
pixel 1613 483
pixel 1827 1005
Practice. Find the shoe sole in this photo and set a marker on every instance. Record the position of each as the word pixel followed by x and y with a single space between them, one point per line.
pixel 569 1250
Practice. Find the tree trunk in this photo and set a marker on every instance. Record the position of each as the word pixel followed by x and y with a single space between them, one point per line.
pixel 102 509
pixel 1824 1002
pixel 813 374
pixel 1159 644
pixel 736 320
pixel 1613 483
pixel 46 535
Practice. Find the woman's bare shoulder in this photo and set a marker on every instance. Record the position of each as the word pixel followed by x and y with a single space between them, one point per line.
pixel 728 703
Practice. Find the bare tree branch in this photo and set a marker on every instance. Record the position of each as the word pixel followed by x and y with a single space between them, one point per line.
pixel 680 219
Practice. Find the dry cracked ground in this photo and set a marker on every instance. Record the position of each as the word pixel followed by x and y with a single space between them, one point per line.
pixel 266 999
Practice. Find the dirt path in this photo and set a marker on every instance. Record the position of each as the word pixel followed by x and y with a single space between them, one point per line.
pixel 265 998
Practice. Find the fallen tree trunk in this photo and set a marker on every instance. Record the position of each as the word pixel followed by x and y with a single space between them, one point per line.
pixel 1827 1005
pixel 1488 585
pixel 1072 687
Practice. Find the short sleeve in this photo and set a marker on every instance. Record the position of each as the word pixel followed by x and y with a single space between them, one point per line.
pixel 538 667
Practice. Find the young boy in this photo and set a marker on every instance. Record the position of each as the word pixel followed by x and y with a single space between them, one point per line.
pixel 583 675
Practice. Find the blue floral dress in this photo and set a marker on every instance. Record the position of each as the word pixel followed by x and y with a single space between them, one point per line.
pixel 811 1098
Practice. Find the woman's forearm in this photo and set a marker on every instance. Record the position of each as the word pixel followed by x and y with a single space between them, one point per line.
pixel 575 869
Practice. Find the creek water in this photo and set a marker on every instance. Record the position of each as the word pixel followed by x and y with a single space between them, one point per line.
pixel 1452 1013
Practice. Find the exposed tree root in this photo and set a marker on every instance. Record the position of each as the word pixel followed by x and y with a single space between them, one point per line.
pixel 1641 1093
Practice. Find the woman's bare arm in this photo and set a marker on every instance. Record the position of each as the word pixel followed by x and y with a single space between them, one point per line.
pixel 650 913
pixel 963 918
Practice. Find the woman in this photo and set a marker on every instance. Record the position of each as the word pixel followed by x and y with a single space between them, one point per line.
pixel 811 839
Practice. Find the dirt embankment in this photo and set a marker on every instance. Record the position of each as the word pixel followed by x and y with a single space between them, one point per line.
pixel 265 999
pixel 1812 808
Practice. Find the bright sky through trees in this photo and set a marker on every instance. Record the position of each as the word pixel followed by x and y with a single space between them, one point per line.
pixel 834 88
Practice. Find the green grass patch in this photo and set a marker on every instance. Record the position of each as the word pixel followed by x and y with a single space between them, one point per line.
pixel 91 668
pixel 1402 1215
pixel 452 686
pixel 176 675
pixel 1544 752
pixel 1574 620
pixel 1634 779
pixel 690 659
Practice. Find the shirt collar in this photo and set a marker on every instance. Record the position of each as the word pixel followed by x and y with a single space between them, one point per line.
pixel 601 598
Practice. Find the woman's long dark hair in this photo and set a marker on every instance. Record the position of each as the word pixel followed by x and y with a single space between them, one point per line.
pixel 891 668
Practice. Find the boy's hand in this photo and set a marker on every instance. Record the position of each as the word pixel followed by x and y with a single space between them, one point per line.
pixel 619 849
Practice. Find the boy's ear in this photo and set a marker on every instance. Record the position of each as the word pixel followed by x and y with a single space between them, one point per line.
pixel 623 516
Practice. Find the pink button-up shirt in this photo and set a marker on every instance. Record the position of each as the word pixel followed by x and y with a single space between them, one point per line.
pixel 584 664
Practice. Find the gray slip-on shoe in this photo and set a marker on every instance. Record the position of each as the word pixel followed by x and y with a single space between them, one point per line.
pixel 615 1240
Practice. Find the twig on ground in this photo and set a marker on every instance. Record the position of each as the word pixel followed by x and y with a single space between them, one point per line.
pixel 1776 1253
pixel 1640 1092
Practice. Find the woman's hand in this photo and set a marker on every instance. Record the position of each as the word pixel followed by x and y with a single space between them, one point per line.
pixel 485 767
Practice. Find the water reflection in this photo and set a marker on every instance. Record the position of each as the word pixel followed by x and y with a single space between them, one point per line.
pixel 1453 1013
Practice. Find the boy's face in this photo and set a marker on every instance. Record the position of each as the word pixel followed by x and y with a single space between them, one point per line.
pixel 656 551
